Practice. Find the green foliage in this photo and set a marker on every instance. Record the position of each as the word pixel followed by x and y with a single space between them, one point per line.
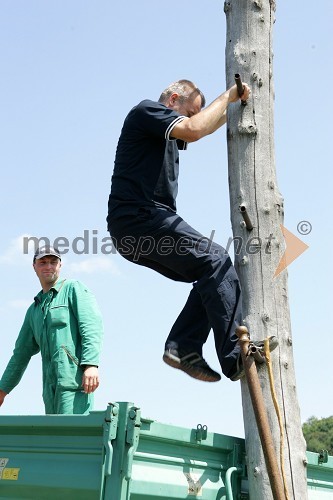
pixel 318 434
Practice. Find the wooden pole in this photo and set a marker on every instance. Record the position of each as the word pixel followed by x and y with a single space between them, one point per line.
pixel 253 185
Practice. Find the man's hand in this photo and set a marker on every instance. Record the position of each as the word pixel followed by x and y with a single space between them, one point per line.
pixel 233 93
pixel 3 394
pixel 90 379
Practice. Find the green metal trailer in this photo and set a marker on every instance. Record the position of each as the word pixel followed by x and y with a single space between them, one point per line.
pixel 119 455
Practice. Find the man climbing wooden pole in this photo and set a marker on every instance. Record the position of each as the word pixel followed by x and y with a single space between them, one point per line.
pixel 253 186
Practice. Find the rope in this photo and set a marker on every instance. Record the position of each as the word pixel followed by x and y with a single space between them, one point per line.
pixel 278 413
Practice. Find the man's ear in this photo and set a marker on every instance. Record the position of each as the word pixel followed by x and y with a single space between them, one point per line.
pixel 173 98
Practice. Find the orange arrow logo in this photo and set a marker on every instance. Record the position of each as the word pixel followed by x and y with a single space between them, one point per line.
pixel 294 248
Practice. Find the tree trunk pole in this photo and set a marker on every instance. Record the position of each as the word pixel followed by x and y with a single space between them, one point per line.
pixel 254 196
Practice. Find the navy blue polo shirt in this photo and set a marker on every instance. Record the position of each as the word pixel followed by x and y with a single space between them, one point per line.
pixel 146 165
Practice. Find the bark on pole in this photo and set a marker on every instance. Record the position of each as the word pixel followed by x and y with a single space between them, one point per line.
pixel 254 190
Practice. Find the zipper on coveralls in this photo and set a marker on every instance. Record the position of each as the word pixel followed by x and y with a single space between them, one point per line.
pixel 70 355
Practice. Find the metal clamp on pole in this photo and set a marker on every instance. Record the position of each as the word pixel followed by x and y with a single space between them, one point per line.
pixel 247 220
pixel 240 87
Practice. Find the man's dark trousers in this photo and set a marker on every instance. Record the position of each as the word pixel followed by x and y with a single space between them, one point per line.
pixel 162 240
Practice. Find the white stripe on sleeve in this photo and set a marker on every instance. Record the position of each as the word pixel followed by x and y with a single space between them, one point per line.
pixel 172 125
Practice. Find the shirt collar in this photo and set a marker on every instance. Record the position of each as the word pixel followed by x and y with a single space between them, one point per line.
pixel 55 289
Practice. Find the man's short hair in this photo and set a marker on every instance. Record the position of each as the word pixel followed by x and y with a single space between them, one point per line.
pixel 185 88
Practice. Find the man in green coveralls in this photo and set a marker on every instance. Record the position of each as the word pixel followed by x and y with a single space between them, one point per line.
pixel 63 323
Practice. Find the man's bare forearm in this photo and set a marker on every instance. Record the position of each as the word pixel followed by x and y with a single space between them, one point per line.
pixel 209 119
pixel 204 123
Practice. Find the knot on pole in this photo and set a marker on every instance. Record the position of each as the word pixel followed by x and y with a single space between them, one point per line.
pixel 247 128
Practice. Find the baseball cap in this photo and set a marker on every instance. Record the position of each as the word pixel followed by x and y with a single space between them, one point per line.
pixel 46 250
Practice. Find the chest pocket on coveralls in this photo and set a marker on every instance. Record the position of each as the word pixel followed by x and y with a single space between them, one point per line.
pixel 58 316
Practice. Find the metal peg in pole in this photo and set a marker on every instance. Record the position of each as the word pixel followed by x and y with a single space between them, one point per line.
pixel 247 220
pixel 240 87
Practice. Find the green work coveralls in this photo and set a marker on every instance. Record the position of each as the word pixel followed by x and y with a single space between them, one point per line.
pixel 65 325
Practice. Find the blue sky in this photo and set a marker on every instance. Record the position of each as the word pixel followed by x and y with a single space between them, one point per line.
pixel 71 70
